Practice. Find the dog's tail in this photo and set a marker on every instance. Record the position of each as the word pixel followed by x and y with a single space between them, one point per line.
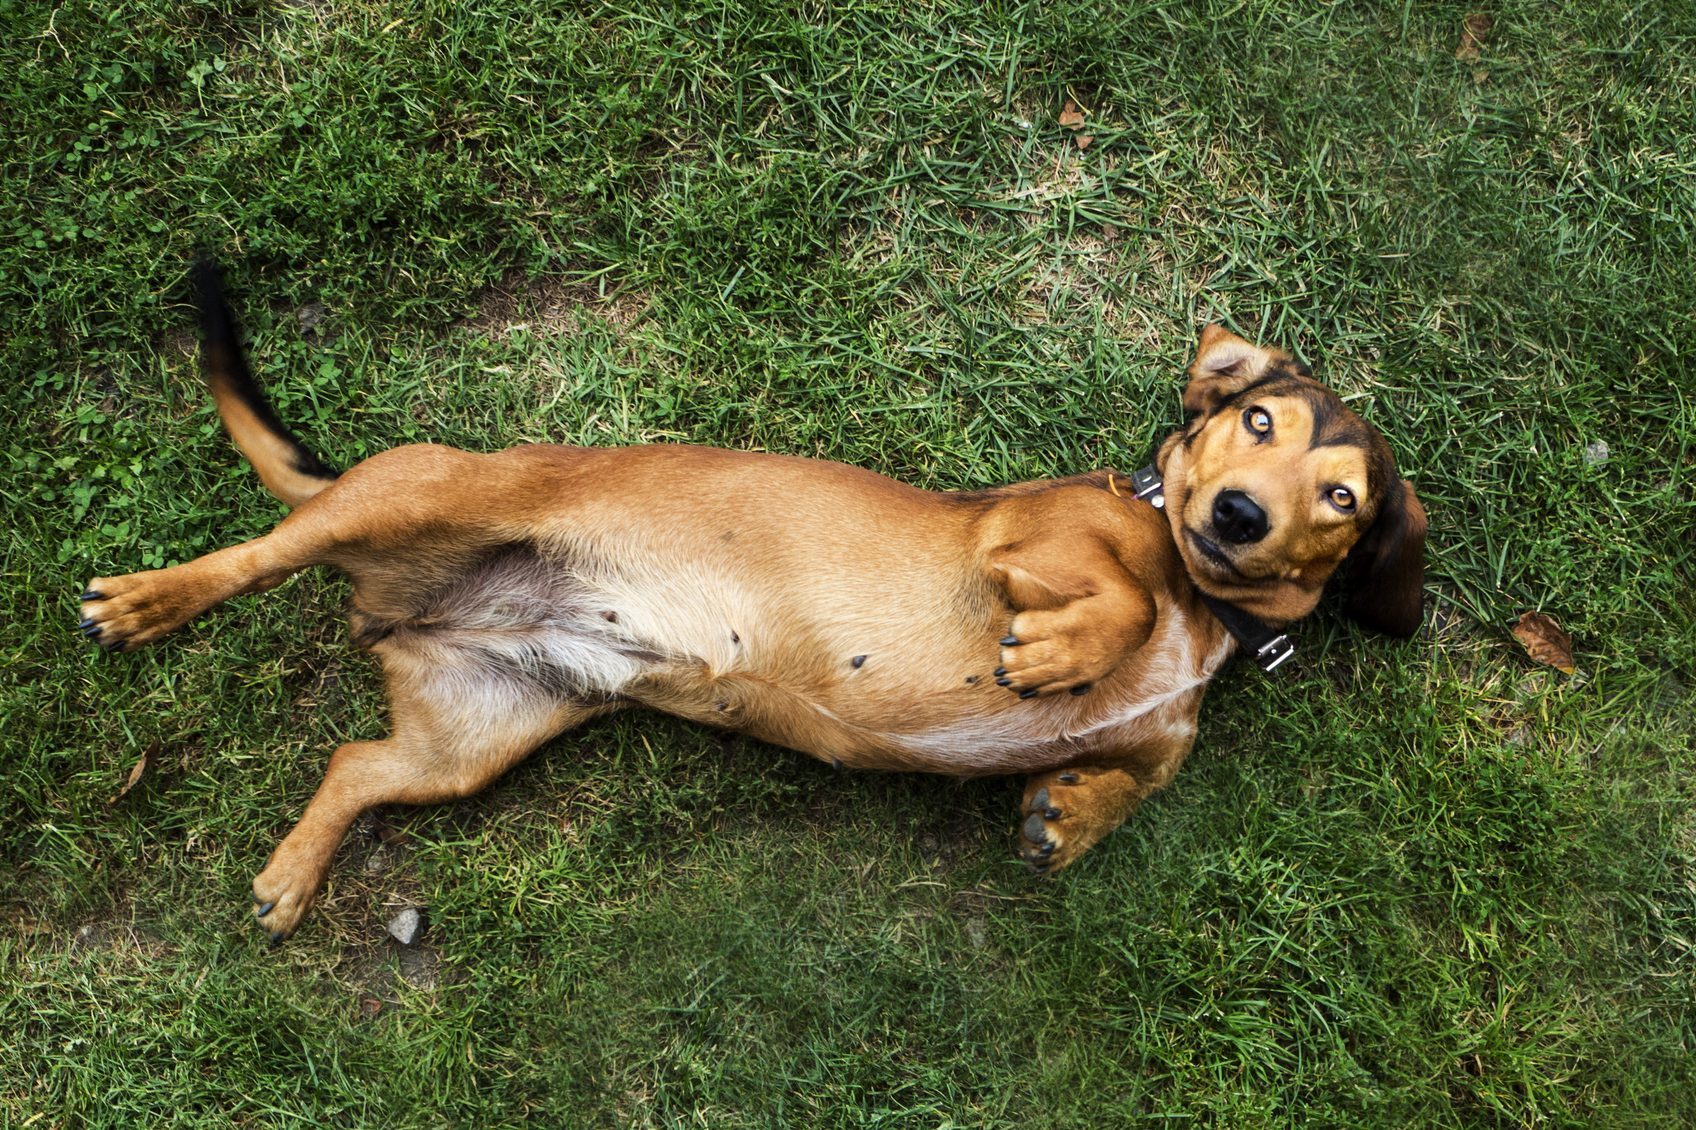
pixel 285 466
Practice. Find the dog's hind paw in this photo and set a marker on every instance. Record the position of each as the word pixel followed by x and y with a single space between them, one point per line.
pixel 281 899
pixel 123 613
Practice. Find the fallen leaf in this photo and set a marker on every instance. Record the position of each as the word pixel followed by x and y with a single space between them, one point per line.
pixel 387 834
pixel 1072 117
pixel 1545 641
pixel 1473 29
pixel 136 772
pixel 1084 140
pixel 369 1007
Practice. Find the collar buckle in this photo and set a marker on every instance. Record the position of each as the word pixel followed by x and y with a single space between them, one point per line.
pixel 1273 652
pixel 1147 485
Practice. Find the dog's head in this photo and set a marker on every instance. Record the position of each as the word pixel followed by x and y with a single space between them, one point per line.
pixel 1274 482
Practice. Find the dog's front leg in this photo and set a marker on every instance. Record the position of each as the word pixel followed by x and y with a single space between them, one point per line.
pixel 1077 614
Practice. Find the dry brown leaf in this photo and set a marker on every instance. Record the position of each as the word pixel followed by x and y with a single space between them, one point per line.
pixel 387 834
pixel 1072 117
pixel 1473 29
pixel 1545 641
pixel 1084 140
pixel 136 772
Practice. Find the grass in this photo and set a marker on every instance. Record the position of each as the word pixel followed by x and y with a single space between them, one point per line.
pixel 1420 884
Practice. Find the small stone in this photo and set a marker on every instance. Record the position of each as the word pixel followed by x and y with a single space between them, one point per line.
pixel 406 926
pixel 311 318
pixel 977 936
pixel 1595 454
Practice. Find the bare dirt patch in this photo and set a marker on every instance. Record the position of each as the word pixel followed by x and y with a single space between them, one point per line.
pixel 550 304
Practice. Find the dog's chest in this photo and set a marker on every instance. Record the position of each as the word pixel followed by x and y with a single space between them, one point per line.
pixel 1153 702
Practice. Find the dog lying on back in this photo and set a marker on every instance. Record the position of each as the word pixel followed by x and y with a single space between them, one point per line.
pixel 1062 629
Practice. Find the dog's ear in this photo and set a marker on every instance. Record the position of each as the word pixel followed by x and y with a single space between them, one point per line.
pixel 1386 575
pixel 1224 364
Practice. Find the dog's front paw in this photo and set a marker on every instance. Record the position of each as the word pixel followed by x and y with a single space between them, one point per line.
pixel 1064 813
pixel 123 613
pixel 1048 652
pixel 1044 840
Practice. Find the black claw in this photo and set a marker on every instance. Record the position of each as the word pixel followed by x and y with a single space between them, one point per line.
pixel 1010 641
pixel 1046 849
pixel 1027 694
pixel 1051 813
pixel 859 661
pixel 263 910
pixel 90 629
pixel 971 678
pixel 92 595
pixel 276 938
pixel 1034 830
pixel 1081 688
pixel 1004 682
pixel 999 671
pixel 1043 870
pixel 1069 778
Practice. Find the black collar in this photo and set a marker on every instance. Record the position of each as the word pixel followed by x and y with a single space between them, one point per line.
pixel 1267 645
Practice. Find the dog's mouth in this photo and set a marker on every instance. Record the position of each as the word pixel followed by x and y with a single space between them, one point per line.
pixel 1212 554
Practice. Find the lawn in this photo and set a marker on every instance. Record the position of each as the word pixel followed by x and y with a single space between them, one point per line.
pixel 1431 883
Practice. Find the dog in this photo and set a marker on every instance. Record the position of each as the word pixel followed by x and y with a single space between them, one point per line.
pixel 1062 629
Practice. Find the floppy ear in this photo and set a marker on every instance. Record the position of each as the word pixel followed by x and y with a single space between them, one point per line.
pixel 1224 364
pixel 1386 579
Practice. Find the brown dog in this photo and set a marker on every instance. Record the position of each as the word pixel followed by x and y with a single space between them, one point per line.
pixel 813 605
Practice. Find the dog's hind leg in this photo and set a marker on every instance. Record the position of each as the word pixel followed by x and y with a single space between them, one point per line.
pixel 455 730
pixel 390 519
pixel 123 613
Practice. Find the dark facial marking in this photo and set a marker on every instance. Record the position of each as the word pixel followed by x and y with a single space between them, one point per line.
pixel 1333 424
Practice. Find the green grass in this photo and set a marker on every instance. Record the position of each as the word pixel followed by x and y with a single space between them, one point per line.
pixel 1401 885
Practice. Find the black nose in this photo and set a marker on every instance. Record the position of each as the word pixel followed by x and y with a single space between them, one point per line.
pixel 1237 518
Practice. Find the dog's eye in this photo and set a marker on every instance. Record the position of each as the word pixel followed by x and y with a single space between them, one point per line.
pixel 1258 421
pixel 1341 497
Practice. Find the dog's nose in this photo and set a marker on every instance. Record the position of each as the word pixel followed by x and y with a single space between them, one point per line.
pixel 1237 518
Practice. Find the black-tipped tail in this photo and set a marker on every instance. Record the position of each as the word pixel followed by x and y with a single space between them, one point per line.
pixel 287 468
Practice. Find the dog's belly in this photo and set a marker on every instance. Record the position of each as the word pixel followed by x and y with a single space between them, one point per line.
pixel 853 689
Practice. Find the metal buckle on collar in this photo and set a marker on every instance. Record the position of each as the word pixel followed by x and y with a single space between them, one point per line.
pixel 1147 486
pixel 1274 652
